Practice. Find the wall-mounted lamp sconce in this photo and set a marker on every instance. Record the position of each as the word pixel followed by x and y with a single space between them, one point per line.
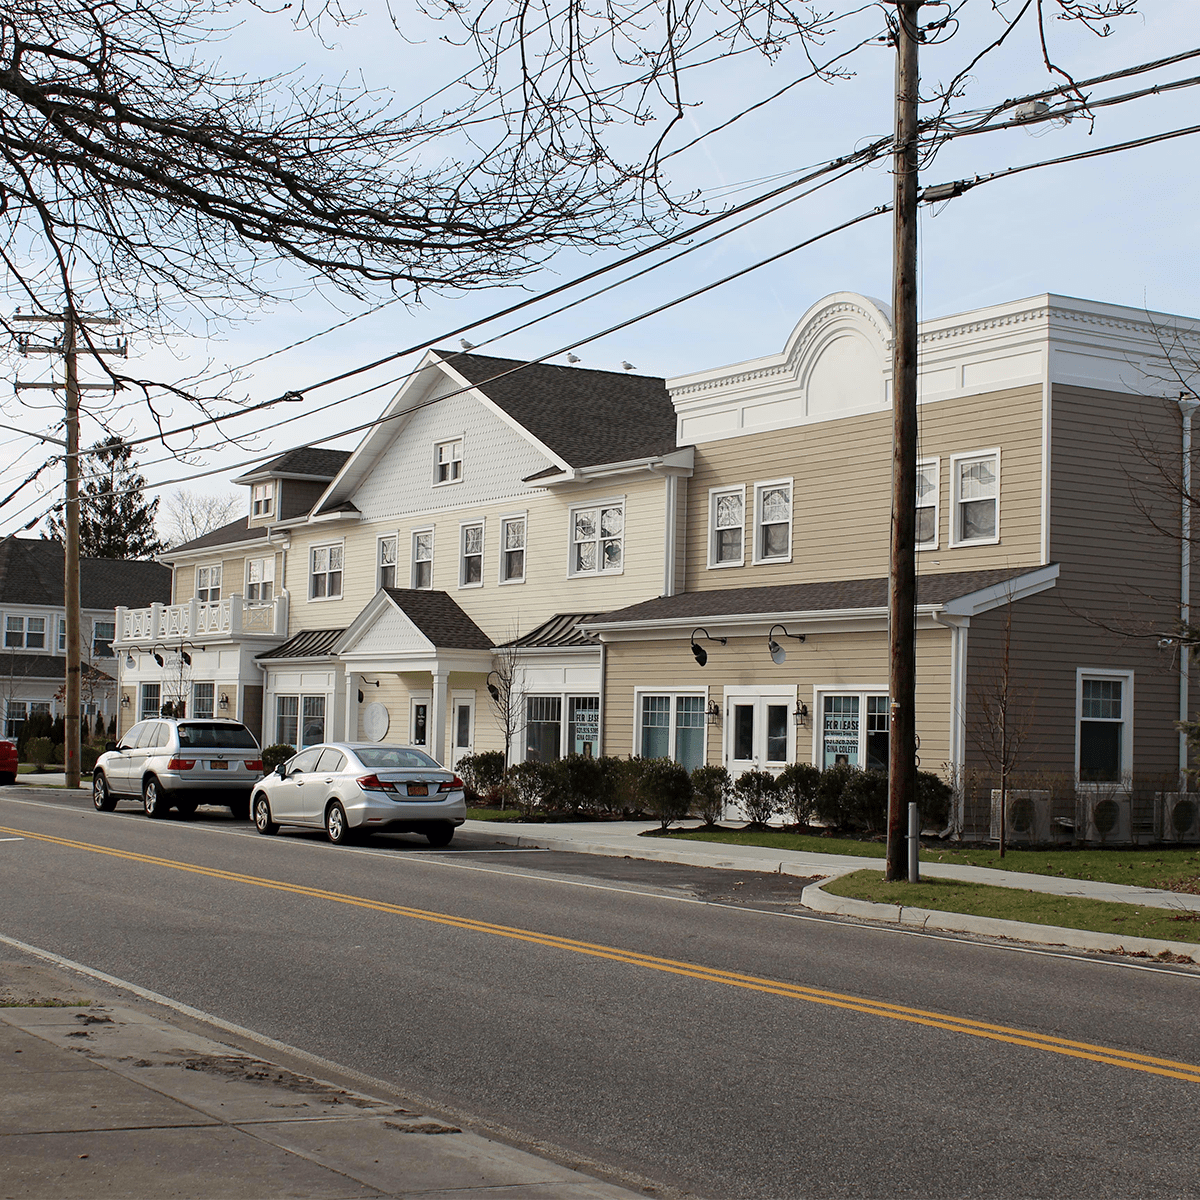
pixel 713 713
pixel 223 701
pixel 778 653
pixel 158 658
pixel 187 658
pixel 130 665
pixel 800 716
pixel 369 683
pixel 124 701
pixel 493 689
pixel 698 651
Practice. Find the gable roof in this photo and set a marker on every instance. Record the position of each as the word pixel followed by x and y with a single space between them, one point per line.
pixel 236 531
pixel 440 619
pixel 587 417
pixel 31 572
pixel 304 462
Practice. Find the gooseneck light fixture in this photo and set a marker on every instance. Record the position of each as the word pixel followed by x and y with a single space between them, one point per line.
pixel 492 688
pixel 698 652
pixel 778 653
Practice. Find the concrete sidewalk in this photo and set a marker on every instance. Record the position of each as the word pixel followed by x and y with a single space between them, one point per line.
pixel 113 1099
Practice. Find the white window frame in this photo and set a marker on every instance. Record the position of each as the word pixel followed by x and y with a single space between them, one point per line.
pixel 714 497
pixel 817 715
pixel 62 635
pixel 438 460
pixel 394 538
pixel 262 500
pixel 96 622
pixel 759 489
pixel 14 624
pixel 195 704
pixel 599 506
pixel 313 548
pixel 412 557
pixel 1125 678
pixel 936 464
pixel 463 526
pixel 143 695
pixel 506 520
pixel 956 460
pixel 673 720
pixel 208 589
pixel 461 699
pixel 29 633
pixel 268 563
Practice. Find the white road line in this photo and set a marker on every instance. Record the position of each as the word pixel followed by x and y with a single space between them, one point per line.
pixel 12 839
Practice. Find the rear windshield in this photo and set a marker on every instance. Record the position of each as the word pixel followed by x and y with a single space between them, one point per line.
pixel 390 756
pixel 201 735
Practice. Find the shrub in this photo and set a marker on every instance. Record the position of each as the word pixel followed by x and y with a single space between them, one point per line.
pixel 666 790
pixel 865 800
pixel 710 789
pixel 934 795
pixel 34 726
pixel 58 731
pixel 831 790
pixel 530 785
pixel 798 784
pixel 627 784
pixel 112 727
pixel 85 729
pixel 584 782
pixel 483 773
pixel 40 751
pixel 272 756
pixel 758 794
pixel 87 758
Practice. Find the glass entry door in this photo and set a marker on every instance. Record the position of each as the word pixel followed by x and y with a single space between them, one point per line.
pixel 759 730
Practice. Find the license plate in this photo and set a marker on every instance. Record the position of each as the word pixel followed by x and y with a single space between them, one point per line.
pixel 418 789
pixel 218 766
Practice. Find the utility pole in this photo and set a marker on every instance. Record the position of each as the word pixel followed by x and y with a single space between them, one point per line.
pixel 902 575
pixel 67 348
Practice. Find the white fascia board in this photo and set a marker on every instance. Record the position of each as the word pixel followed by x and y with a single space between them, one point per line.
pixel 324 518
pixel 999 594
pixel 307 660
pixel 218 551
pixel 500 413
pixel 469 661
pixel 681 462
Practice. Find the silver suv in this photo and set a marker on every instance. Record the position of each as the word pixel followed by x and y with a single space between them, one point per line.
pixel 169 763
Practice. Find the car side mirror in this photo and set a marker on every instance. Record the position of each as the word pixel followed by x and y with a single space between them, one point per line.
pixel 281 770
pixel 110 746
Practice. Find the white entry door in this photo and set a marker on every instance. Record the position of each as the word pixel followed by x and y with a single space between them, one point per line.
pixel 759 730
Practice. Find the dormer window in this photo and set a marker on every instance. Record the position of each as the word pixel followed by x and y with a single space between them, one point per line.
pixel 262 499
pixel 448 462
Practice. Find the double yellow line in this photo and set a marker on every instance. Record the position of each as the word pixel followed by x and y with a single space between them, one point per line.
pixel 773 987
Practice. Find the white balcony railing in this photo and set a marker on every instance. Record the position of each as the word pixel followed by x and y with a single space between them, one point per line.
pixel 230 618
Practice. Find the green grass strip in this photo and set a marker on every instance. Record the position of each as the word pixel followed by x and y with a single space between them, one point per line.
pixel 1014 904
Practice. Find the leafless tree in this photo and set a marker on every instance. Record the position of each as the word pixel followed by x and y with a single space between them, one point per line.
pixel 506 690
pixel 188 514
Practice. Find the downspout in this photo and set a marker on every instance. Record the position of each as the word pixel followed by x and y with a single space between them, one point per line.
pixel 603 696
pixel 1187 406
pixel 958 626
pixel 670 516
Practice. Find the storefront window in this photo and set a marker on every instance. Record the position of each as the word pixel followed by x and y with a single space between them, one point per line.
pixel 845 741
pixel 583 725
pixel 543 728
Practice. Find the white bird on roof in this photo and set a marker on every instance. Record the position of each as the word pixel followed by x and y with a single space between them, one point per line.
pixel 465 344
pixel 628 366
pixel 572 358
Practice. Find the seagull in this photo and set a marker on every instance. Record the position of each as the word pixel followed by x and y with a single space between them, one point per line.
pixel 572 358
pixel 628 366
pixel 465 344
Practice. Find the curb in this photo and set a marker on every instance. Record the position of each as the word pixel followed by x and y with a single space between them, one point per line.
pixel 1021 931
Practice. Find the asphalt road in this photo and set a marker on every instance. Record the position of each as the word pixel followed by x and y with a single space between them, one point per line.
pixel 694 1027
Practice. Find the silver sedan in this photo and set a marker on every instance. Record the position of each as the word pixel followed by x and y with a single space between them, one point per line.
pixel 354 788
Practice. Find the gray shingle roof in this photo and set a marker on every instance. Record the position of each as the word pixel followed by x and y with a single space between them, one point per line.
pixel 837 595
pixel 560 630
pixel 588 417
pixel 31 572
pixel 43 666
pixel 236 531
pixel 313 461
pixel 440 619
pixel 308 643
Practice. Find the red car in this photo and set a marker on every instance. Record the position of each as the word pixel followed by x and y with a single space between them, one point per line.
pixel 8 762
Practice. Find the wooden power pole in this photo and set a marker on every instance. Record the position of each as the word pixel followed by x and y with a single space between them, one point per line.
pixel 902 575
pixel 68 349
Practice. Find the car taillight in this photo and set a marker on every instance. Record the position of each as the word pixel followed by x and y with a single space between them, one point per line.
pixel 372 783
pixel 451 785
pixel 253 764
pixel 181 764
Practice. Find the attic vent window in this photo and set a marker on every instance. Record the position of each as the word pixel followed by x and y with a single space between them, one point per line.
pixel 447 462
pixel 262 499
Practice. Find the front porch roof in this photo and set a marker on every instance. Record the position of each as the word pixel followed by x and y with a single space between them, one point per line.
pixel 308 643
pixel 960 593
pixel 559 631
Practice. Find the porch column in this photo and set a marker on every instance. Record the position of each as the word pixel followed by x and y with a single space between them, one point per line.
pixel 351 707
pixel 437 741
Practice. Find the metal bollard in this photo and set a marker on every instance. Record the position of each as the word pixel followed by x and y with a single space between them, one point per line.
pixel 914 844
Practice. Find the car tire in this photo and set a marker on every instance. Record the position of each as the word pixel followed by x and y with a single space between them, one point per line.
pixel 440 835
pixel 262 816
pixel 240 809
pixel 337 828
pixel 102 798
pixel 8 778
pixel 153 802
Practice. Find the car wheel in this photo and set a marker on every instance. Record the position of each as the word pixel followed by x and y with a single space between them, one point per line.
pixel 335 824
pixel 262 816
pixel 153 803
pixel 240 809
pixel 440 835
pixel 8 778
pixel 102 799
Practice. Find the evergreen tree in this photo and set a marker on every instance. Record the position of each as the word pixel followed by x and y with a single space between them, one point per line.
pixel 115 518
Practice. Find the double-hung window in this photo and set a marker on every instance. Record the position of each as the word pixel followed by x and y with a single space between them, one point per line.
pixel 597 539
pixel 208 584
pixel 203 695
pixel 62 635
pixel 386 552
pixel 975 489
pixel 773 521
pixel 512 550
pixel 151 701
pixel 14 632
pixel 672 725
pixel 727 527
pixel 262 499
pixel 422 558
pixel 260 578
pixel 25 632
pixel 854 730
pixel 35 633
pixel 927 504
pixel 103 633
pixel 325 572
pixel 470 569
pixel 448 462
pixel 1104 702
